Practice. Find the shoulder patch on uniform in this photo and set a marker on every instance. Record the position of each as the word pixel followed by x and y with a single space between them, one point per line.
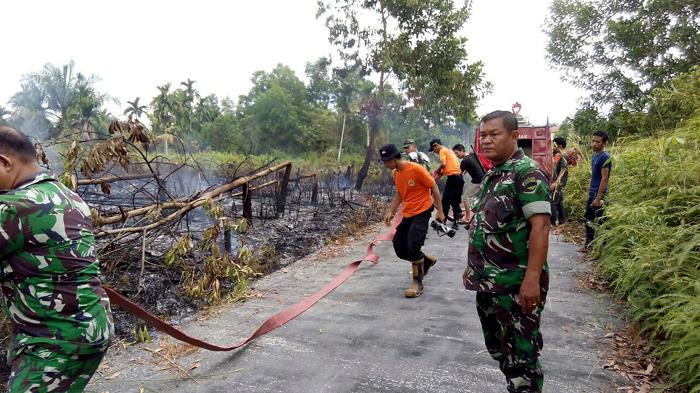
pixel 530 183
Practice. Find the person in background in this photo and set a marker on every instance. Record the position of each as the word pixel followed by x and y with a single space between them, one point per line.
pixel 52 292
pixel 412 154
pixel 455 183
pixel 417 193
pixel 470 167
pixel 507 258
pixel 573 155
pixel 600 174
pixel 560 176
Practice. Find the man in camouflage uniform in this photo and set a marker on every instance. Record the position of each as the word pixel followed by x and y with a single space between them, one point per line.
pixel 52 293
pixel 411 153
pixel 507 253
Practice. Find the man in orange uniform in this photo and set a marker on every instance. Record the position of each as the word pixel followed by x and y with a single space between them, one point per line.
pixel 455 183
pixel 414 186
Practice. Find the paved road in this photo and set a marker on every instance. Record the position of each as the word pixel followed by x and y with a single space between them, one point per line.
pixel 366 337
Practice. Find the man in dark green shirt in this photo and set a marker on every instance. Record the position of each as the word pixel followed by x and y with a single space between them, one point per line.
pixel 507 253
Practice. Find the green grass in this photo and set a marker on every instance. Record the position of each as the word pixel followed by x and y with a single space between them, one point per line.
pixel 309 162
pixel 650 245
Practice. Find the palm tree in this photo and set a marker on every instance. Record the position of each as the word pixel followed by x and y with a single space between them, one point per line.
pixel 29 109
pixel 190 95
pixel 164 106
pixel 207 109
pixel 134 109
pixel 55 99
pixel 86 113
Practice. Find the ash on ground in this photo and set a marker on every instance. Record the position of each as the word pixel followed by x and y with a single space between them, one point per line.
pixel 283 241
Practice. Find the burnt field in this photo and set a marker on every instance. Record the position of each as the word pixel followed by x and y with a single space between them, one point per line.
pixel 177 238
pixel 205 259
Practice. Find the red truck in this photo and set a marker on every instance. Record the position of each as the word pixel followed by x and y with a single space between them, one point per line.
pixel 536 142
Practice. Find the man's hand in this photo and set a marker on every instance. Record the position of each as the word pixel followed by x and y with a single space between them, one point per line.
pixel 529 297
pixel 388 217
pixel 597 202
pixel 440 216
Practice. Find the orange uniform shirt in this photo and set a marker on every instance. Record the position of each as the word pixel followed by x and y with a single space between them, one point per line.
pixel 450 161
pixel 413 183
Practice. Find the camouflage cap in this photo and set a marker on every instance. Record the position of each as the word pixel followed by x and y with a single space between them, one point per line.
pixel 408 142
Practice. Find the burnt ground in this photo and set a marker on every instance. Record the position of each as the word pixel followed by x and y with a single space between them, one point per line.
pixel 289 238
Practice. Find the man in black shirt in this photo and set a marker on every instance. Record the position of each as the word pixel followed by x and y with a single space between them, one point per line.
pixel 560 176
pixel 472 167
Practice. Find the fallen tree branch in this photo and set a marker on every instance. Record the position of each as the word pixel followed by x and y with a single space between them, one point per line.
pixel 176 204
pixel 201 200
pixel 111 179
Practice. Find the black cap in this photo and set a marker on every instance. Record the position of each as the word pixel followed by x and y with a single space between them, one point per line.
pixel 435 141
pixel 389 152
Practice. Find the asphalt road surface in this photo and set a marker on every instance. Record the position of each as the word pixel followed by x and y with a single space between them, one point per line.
pixel 366 337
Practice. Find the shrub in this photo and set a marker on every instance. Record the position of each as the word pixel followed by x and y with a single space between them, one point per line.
pixel 650 245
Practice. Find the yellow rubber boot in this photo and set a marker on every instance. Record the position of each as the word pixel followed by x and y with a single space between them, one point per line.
pixel 416 288
pixel 428 262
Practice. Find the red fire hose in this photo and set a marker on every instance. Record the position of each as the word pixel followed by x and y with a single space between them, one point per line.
pixel 271 323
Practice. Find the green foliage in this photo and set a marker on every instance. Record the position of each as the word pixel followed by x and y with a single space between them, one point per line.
pixel 576 194
pixel 281 116
pixel 678 100
pixel 140 334
pixel 223 134
pixel 620 50
pixel 181 248
pixel 668 106
pixel 650 244
pixel 276 113
pixel 417 43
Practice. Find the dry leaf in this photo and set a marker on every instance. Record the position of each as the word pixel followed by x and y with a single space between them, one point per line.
pixel 114 375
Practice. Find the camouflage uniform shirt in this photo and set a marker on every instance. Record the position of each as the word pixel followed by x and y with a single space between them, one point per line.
pixel 499 232
pixel 50 276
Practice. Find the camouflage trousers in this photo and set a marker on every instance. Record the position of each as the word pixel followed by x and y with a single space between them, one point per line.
pixel 40 370
pixel 513 339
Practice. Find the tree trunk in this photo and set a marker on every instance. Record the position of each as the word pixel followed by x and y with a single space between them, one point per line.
pixel 373 117
pixel 374 110
pixel 342 134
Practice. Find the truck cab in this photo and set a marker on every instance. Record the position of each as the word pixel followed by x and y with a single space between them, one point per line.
pixel 536 142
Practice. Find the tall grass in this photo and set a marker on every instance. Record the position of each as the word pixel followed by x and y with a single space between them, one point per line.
pixel 650 245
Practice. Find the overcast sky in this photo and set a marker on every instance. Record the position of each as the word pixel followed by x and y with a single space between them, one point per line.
pixel 135 45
